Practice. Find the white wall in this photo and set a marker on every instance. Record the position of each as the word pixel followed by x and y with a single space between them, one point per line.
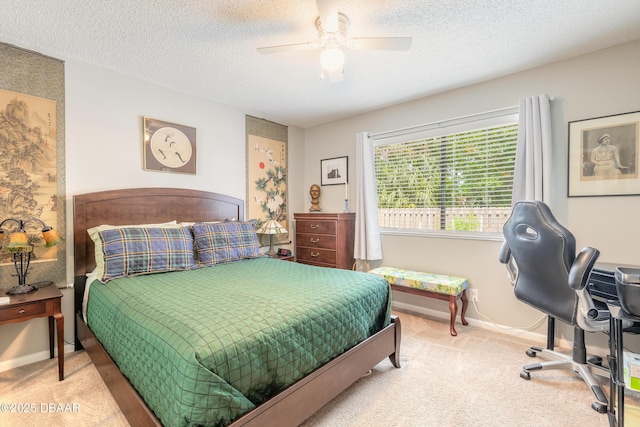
pixel 598 84
pixel 104 116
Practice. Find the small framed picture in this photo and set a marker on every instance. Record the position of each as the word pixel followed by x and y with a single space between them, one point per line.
pixel 168 147
pixel 334 171
pixel 603 156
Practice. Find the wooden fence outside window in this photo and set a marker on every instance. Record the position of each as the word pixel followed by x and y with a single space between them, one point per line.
pixel 485 220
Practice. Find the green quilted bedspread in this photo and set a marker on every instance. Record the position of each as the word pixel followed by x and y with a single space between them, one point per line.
pixel 203 347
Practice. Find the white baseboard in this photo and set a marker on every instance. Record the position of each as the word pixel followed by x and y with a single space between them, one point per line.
pixel 32 358
pixel 534 337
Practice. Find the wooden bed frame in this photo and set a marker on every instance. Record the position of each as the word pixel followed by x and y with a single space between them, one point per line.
pixel 156 205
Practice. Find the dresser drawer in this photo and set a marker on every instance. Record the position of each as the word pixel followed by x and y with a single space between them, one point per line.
pixel 316 226
pixel 21 311
pixel 321 241
pixel 323 256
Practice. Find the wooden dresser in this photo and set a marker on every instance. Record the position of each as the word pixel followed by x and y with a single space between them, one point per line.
pixel 325 239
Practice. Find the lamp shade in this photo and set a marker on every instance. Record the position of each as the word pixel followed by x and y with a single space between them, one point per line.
pixel 51 237
pixel 18 241
pixel 271 227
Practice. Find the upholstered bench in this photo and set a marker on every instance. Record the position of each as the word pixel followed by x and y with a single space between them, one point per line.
pixel 438 286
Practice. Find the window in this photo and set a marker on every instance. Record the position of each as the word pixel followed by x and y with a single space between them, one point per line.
pixel 455 176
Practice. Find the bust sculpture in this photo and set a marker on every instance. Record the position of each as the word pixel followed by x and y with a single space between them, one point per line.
pixel 314 191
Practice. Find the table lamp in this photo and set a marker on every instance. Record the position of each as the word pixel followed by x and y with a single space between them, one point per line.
pixel 271 227
pixel 21 250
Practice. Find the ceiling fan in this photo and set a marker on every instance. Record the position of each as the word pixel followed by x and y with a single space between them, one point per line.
pixel 333 38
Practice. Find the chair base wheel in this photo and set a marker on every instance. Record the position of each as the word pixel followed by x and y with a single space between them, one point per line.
pixel 525 375
pixel 531 353
pixel 594 360
pixel 599 407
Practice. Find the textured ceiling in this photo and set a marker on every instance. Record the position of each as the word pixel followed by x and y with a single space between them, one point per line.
pixel 208 48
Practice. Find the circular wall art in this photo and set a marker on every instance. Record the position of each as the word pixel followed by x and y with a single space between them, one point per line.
pixel 169 147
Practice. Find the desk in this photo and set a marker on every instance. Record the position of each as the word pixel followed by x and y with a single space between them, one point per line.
pixel 45 302
pixel 602 287
pixel 616 362
pixel 628 278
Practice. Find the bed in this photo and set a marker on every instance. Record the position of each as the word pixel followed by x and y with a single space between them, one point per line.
pixel 291 401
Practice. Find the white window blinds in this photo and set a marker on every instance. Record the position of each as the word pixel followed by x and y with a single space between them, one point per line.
pixel 455 180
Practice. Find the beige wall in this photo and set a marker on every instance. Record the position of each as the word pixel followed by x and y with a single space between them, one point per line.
pixel 598 84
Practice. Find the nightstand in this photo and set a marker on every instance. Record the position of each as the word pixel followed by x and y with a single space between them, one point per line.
pixel 284 257
pixel 45 302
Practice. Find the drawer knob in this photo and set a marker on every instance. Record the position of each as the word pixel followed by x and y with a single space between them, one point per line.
pixel 315 240
pixel 314 226
pixel 315 254
pixel 21 311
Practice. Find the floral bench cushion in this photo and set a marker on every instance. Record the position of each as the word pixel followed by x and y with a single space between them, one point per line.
pixel 449 285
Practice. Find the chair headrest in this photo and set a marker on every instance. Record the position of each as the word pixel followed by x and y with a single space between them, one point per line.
pixel 532 221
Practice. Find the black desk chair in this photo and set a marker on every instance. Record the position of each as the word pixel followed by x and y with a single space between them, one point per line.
pixel 540 255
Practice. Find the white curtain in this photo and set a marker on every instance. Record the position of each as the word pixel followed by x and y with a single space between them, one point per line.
pixel 367 245
pixel 532 176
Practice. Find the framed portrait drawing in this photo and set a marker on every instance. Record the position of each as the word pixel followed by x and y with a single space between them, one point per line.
pixel 334 171
pixel 603 156
pixel 169 147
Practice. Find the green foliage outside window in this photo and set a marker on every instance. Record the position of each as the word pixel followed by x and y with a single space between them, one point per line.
pixel 461 176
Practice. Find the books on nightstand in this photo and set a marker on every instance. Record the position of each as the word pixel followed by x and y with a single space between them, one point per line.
pixel 4 300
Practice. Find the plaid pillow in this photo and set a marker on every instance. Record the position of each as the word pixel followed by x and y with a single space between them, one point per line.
pixel 144 250
pixel 219 242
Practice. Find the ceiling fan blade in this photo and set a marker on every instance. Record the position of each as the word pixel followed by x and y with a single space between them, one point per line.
pixel 328 12
pixel 381 43
pixel 287 48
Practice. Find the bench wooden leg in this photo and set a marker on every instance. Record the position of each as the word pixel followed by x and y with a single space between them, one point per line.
pixel 465 303
pixel 453 309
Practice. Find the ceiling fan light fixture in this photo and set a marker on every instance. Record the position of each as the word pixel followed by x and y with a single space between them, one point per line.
pixel 332 59
pixel 332 27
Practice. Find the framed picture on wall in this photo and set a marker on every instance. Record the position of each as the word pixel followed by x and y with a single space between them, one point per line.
pixel 334 171
pixel 169 147
pixel 603 155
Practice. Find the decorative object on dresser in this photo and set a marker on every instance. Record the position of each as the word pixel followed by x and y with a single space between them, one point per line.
pixel 314 191
pixel 21 249
pixel 325 239
pixel 271 227
pixel 346 197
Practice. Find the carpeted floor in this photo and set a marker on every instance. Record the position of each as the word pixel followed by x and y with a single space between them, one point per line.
pixel 468 380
